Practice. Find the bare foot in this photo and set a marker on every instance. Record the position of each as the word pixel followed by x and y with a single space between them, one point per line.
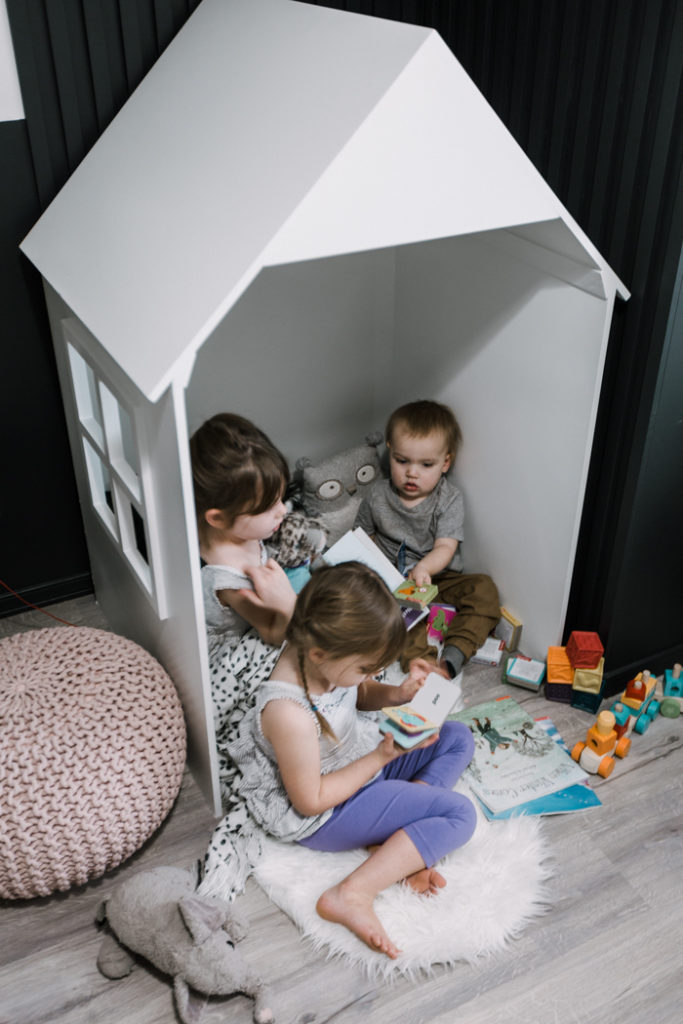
pixel 428 881
pixel 355 911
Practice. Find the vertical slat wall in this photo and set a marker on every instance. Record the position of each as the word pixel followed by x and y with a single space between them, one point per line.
pixel 591 89
pixel 78 62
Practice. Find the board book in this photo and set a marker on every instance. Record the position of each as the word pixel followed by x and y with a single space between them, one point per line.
pixel 408 592
pixel 515 759
pixel 356 546
pixel 525 672
pixel 411 723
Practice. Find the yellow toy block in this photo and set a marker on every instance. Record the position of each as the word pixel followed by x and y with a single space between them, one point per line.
pixel 589 680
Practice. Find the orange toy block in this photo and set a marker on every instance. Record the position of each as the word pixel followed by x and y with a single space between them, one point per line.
pixel 559 666
pixel 602 736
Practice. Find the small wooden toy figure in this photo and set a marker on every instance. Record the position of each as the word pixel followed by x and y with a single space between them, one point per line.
pixel 602 741
pixel 639 699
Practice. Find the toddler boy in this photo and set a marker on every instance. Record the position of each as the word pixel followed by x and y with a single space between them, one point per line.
pixel 416 518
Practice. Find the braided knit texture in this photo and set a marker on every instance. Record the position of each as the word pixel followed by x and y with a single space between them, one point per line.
pixel 92 751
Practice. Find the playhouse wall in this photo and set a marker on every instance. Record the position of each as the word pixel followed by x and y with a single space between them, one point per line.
pixel 518 354
pixel 305 353
pixel 319 352
pixel 177 639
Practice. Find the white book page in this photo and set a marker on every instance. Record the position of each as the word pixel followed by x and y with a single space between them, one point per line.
pixel 436 699
pixel 356 546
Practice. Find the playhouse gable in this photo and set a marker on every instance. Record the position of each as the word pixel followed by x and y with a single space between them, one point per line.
pixel 431 160
pixel 268 132
pixel 162 225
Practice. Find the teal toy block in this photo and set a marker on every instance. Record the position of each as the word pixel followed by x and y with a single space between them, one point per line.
pixel 673 681
pixel 586 701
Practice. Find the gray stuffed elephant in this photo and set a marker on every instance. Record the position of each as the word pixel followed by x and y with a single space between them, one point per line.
pixel 158 915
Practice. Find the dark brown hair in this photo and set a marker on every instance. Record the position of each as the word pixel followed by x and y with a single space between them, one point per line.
pixel 346 610
pixel 235 468
pixel 426 417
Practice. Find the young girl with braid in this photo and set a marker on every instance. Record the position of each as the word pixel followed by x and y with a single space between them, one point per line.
pixel 317 772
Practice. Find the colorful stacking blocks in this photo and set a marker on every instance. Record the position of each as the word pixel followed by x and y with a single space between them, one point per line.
pixel 575 672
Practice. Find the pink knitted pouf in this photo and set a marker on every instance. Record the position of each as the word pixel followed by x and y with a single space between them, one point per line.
pixel 92 751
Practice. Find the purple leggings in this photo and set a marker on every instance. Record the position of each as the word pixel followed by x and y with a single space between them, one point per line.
pixel 436 819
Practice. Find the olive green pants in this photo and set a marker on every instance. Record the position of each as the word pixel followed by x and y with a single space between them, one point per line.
pixel 476 598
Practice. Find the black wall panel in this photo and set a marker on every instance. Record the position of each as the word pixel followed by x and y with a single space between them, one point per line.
pixel 78 61
pixel 42 550
pixel 591 89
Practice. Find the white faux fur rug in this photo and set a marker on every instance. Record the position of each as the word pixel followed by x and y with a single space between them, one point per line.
pixel 496 884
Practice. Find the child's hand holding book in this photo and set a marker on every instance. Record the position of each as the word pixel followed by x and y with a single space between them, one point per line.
pixel 424 714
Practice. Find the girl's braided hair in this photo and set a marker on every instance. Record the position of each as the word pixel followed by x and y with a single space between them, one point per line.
pixel 346 610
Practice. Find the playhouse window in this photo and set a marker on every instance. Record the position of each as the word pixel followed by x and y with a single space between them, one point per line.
pixel 87 397
pixel 112 462
pixel 100 487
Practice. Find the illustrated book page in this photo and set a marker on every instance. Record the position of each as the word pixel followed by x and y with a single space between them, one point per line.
pixel 515 759
pixel 578 797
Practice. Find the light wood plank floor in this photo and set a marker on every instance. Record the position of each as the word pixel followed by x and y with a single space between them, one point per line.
pixel 610 949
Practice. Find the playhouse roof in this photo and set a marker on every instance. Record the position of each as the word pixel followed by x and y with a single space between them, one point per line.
pixel 272 131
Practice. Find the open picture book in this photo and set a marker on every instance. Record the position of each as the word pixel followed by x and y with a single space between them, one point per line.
pixel 356 546
pixel 519 765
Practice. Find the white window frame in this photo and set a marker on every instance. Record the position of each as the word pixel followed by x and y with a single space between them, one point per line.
pixel 112 446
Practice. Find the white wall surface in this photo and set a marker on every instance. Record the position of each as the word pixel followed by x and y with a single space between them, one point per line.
pixel 305 353
pixel 11 106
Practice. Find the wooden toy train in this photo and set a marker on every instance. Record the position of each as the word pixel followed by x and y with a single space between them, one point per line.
pixel 640 703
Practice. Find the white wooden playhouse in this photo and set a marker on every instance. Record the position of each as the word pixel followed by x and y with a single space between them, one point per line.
pixel 307 217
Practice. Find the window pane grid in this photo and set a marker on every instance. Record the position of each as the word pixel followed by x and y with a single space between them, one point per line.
pixel 112 461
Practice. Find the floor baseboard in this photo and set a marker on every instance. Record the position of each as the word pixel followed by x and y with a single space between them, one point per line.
pixel 45 594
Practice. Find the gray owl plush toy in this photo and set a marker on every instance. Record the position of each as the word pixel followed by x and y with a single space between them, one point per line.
pixel 333 488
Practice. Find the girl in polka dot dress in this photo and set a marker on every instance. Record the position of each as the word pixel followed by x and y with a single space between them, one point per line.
pixel 239 480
